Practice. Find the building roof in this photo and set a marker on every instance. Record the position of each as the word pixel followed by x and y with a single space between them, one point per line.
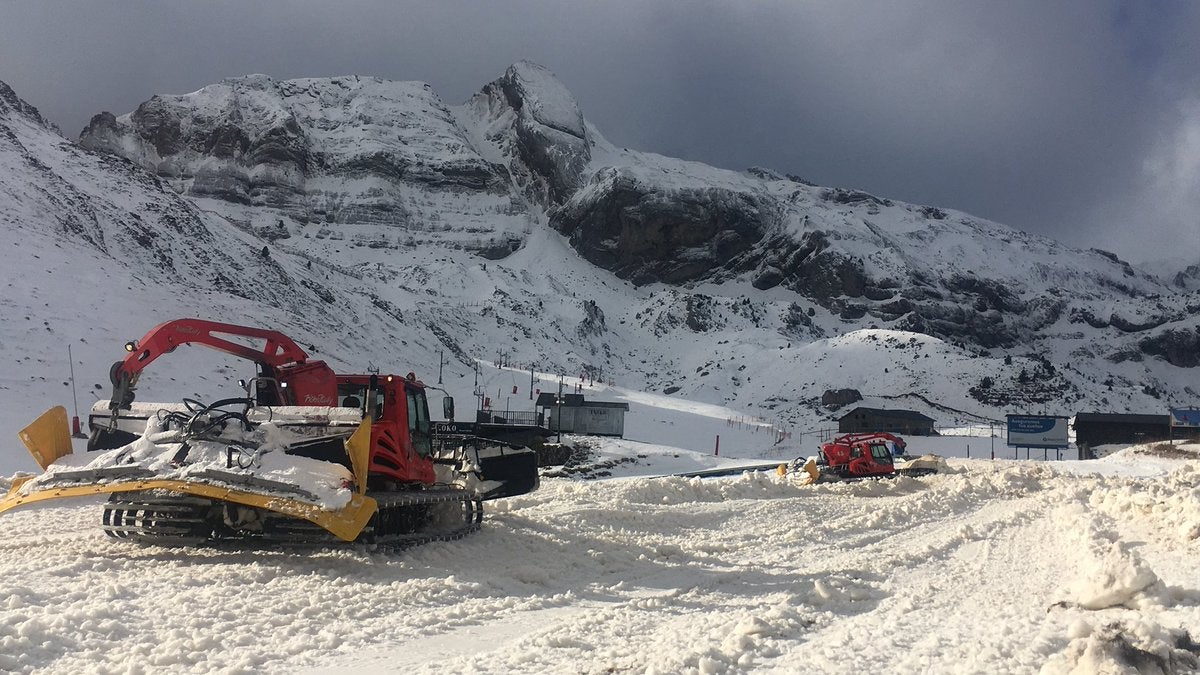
pixel 547 400
pixel 605 404
pixel 1121 418
pixel 893 414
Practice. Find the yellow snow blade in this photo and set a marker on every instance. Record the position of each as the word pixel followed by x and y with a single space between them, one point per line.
pixel 48 437
pixel 358 446
pixel 345 523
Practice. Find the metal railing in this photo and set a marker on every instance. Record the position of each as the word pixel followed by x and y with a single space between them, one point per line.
pixel 509 417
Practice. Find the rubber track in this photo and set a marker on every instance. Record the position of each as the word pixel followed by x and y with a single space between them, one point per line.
pixel 402 520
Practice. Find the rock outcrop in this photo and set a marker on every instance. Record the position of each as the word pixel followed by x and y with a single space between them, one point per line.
pixel 645 234
pixel 1178 347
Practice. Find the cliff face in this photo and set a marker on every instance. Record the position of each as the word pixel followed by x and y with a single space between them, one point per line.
pixel 343 149
pixel 642 234
pixel 868 260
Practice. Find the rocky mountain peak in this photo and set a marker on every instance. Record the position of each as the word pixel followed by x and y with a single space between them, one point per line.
pixel 259 81
pixel 533 122
pixel 10 103
pixel 535 90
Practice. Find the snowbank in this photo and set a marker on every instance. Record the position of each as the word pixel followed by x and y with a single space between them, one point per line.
pixel 1000 567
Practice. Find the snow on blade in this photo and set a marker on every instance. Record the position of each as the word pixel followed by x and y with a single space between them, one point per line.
pixel 259 455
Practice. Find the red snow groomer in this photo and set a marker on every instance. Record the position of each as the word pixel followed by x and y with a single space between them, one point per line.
pixel 301 455
pixel 865 455
pixel 855 456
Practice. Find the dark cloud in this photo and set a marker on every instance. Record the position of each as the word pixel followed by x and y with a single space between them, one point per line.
pixel 1079 119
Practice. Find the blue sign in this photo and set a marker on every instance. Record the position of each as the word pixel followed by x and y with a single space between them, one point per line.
pixel 1185 417
pixel 1037 431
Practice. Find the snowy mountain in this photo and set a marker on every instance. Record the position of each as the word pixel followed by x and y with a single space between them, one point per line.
pixel 381 226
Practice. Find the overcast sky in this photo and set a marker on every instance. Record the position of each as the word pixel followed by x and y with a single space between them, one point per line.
pixel 1078 119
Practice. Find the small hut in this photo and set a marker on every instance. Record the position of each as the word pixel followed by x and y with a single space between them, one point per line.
pixel 575 415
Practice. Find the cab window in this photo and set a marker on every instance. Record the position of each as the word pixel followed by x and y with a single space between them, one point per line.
pixel 351 396
pixel 418 421
pixel 355 396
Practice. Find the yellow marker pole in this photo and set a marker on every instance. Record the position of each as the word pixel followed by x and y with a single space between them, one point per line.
pixel 358 446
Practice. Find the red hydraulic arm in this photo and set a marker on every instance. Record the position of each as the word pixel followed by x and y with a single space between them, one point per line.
pixel 165 337
pixel 278 350
pixel 850 439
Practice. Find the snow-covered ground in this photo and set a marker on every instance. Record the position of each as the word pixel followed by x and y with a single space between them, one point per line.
pixel 1002 566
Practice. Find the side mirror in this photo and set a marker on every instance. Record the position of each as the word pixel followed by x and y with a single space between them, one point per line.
pixel 448 408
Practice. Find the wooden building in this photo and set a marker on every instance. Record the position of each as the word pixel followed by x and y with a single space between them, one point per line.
pixel 903 422
pixel 1094 429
